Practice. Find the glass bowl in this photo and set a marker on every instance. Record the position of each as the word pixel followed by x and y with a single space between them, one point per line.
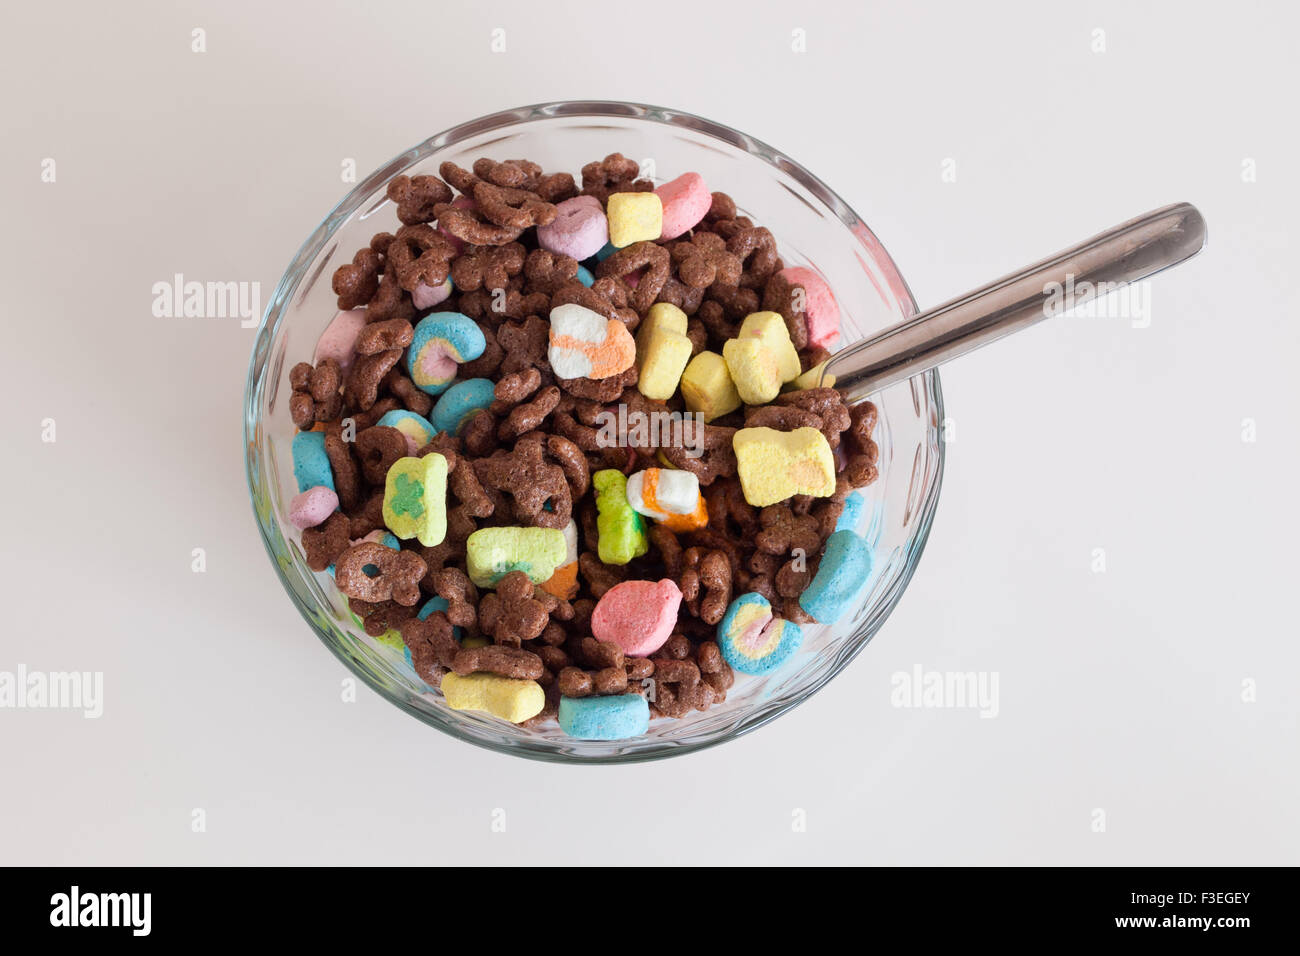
pixel 813 226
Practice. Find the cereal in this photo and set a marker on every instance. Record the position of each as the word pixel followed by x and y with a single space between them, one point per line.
pixel 440 343
pixel 662 351
pixel 357 283
pixel 754 641
pixel 385 335
pixel 621 532
pixel 491 553
pixel 774 465
pixel 497 659
pixel 513 614
pixel 415 499
pixel 505 697
pixel 841 577
pixel 707 387
pixel 638 616
pixel 584 344
pixel 634 217
pixel 398 577
pixel 416 197
pixel 615 717
pixel 488 450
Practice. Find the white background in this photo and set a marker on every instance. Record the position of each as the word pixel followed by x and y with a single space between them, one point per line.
pixel 1120 691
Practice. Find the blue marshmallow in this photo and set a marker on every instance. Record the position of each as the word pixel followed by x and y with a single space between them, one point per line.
pixel 852 513
pixel 604 718
pixel 311 466
pixel 585 276
pixel 460 402
pixel 841 577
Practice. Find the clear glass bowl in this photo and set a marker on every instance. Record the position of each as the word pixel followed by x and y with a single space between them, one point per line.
pixel 812 225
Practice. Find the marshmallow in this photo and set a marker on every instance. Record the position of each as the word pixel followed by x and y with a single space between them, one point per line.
pixel 775 465
pixel 564 582
pixel 441 342
pixel 492 553
pixel 707 387
pixel 506 697
pixel 638 616
pixel 620 530
pixel 669 496
pixel 579 229
pixel 770 329
pixel 339 340
pixel 415 499
pixel 461 402
pixel 309 508
pixel 585 344
pixel 416 429
pixel 820 307
pixel 752 640
pixel 841 577
pixel 662 351
pixel 813 378
pixel 425 296
pixel 634 217
pixel 686 200
pixel 754 370
pixel 614 717
pixel 311 466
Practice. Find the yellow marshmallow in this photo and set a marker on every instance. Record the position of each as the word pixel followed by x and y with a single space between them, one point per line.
pixel 813 378
pixel 707 387
pixel 505 697
pixel 769 328
pixel 662 351
pixel 754 370
pixel 775 465
pixel 634 217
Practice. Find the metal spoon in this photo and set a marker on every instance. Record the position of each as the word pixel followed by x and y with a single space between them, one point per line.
pixel 1126 253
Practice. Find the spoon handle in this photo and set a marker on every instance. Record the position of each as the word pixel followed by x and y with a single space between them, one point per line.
pixel 1124 254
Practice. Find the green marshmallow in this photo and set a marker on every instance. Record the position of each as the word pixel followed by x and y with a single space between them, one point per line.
pixel 492 553
pixel 621 530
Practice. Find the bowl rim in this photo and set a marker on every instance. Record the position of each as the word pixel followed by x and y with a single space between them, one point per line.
pixel 365 188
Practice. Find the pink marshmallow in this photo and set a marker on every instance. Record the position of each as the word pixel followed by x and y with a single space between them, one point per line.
pixel 638 616
pixel 427 296
pixel 686 200
pixel 309 508
pixel 820 306
pixel 580 230
pixel 339 340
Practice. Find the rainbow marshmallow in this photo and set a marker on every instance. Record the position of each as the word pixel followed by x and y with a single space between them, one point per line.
pixel 441 342
pixel 752 640
pixel 416 429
